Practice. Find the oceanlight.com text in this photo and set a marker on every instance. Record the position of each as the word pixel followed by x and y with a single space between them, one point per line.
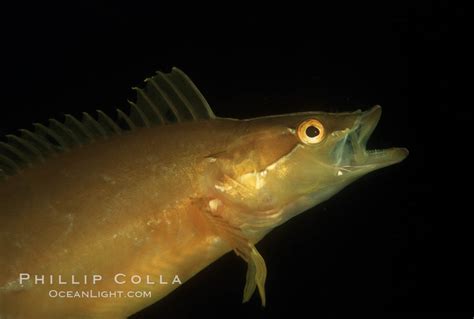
pixel 84 294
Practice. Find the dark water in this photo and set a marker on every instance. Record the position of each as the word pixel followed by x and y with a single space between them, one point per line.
pixel 394 243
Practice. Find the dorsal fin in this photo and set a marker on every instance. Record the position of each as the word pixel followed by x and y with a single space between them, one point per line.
pixel 166 99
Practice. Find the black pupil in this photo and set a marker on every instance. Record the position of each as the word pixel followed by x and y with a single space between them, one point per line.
pixel 312 131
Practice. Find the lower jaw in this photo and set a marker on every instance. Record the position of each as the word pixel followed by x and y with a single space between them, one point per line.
pixel 381 158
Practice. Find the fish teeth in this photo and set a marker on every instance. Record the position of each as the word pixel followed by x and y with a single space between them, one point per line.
pixel 375 152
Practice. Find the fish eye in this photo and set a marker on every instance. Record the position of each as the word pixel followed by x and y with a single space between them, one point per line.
pixel 311 131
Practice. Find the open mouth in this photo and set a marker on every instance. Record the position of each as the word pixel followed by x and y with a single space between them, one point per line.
pixel 356 142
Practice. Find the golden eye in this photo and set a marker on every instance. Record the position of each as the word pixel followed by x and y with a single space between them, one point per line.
pixel 311 131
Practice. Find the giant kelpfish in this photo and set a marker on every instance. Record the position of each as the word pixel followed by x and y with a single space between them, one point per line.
pixel 98 205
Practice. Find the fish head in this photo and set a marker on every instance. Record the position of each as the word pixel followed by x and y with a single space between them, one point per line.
pixel 279 166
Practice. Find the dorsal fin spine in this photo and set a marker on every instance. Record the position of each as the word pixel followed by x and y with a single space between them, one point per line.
pixel 9 162
pixel 38 140
pixel 27 145
pixel 181 96
pixel 166 98
pixel 140 113
pixel 72 122
pixel 150 103
pixel 109 122
pixel 127 120
pixel 14 150
pixel 65 130
pixel 196 91
pixel 47 131
pixel 87 119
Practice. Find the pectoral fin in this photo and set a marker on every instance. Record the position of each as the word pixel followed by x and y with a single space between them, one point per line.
pixel 256 275
pixel 257 270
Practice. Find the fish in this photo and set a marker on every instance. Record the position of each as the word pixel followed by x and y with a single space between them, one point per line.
pixel 144 202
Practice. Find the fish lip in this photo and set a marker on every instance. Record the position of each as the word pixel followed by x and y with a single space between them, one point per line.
pixel 376 158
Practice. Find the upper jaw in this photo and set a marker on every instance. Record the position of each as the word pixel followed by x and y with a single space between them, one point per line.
pixel 359 135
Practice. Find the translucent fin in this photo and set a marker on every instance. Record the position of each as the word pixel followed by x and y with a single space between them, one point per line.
pixel 51 136
pixel 173 97
pixel 31 150
pixel 22 157
pixel 191 96
pixel 93 126
pixel 67 134
pixel 106 122
pixel 165 99
pixel 138 116
pixel 256 268
pixel 79 129
pixel 8 165
pixel 37 140
pixel 256 276
pixel 124 117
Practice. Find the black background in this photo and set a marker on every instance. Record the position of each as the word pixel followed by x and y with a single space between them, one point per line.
pixel 395 243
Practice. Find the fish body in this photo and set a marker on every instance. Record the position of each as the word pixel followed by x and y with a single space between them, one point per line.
pixel 163 199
